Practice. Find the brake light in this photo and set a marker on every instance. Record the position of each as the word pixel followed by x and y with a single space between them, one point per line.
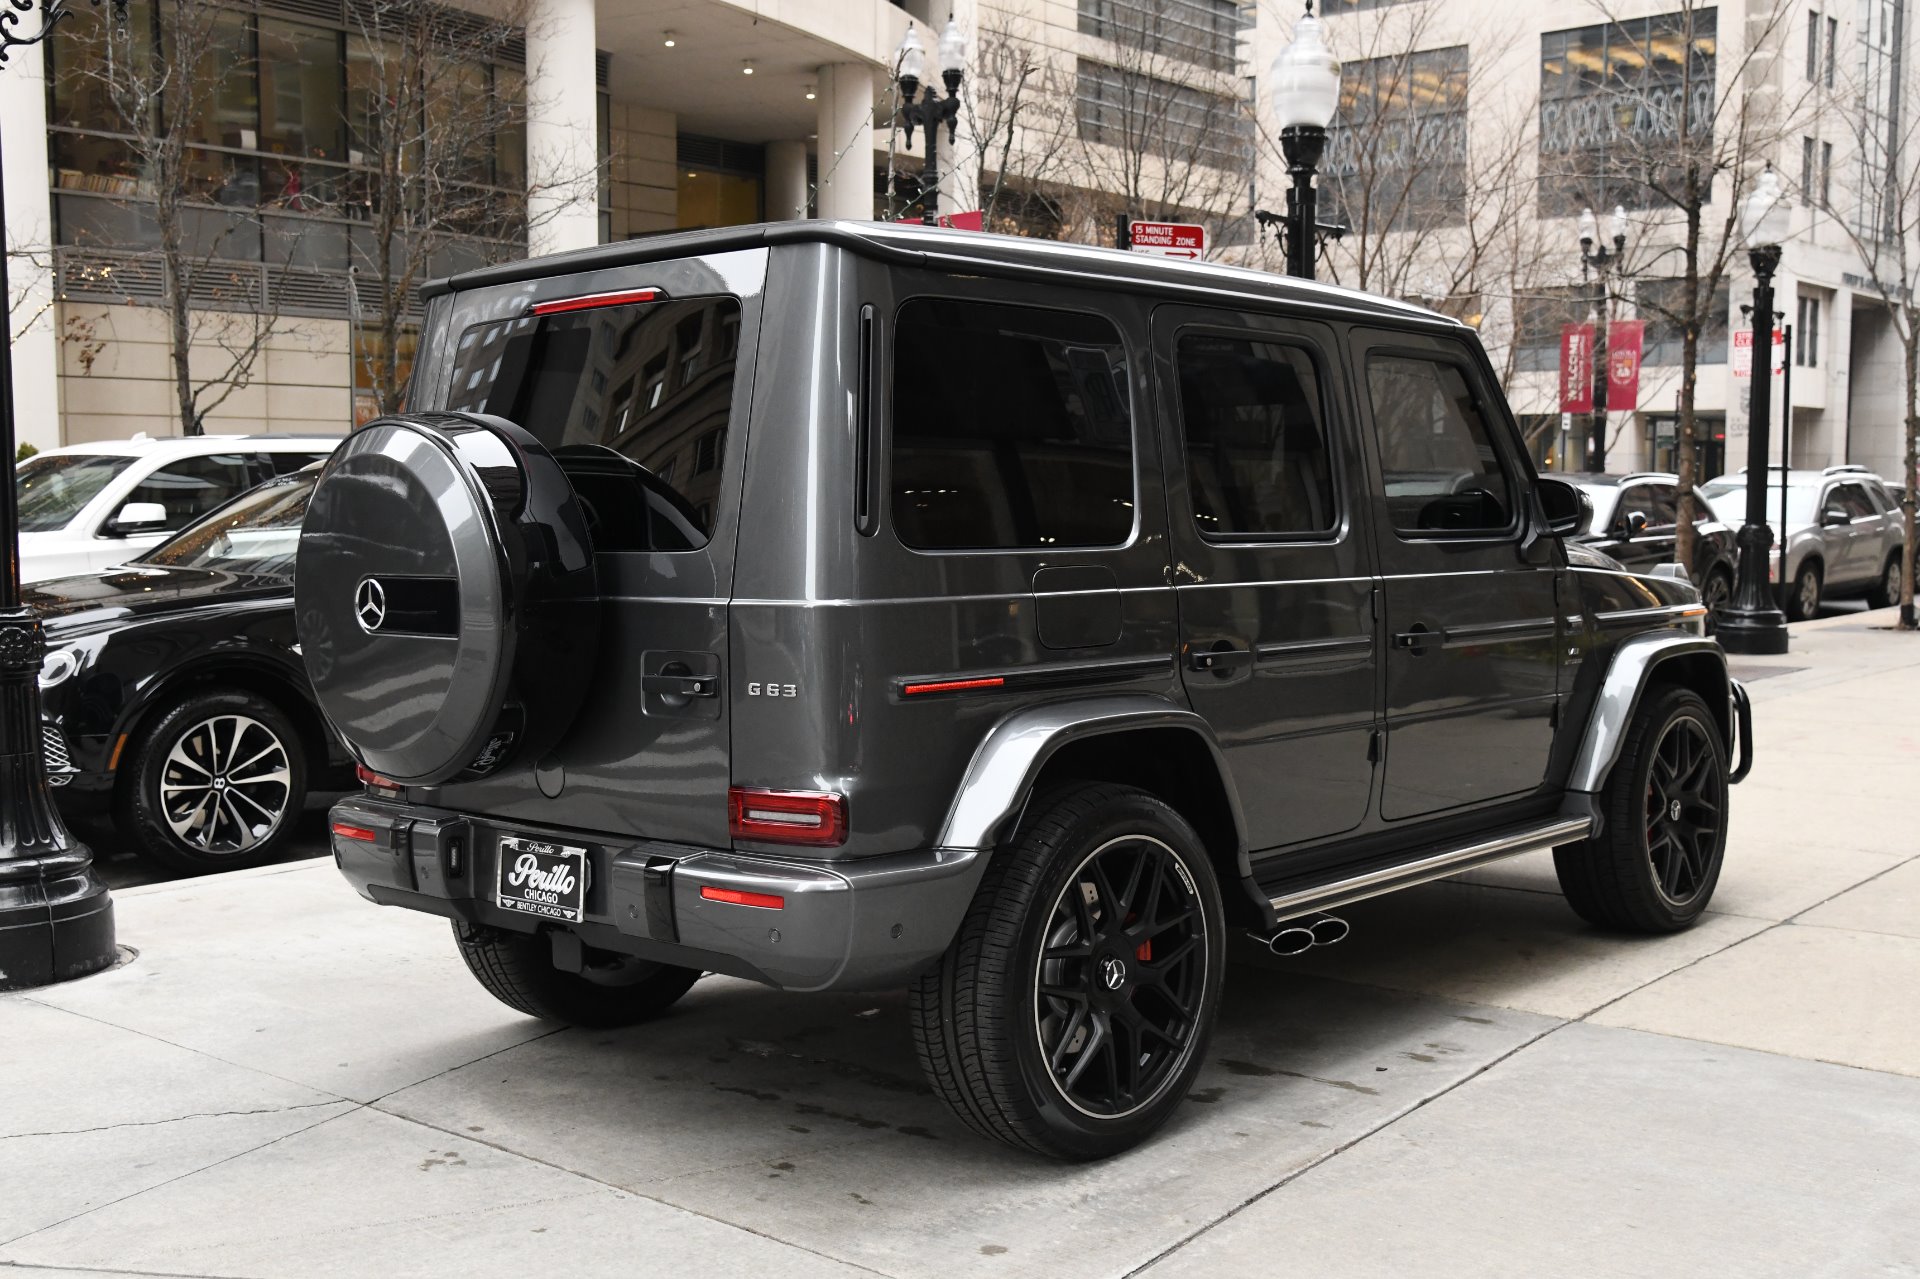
pixel 593 301
pixel 360 833
pixel 787 817
pixel 734 897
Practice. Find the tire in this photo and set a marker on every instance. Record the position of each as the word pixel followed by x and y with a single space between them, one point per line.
pixel 517 969
pixel 217 782
pixel 1717 591
pixel 1803 599
pixel 1886 591
pixel 1649 870
pixel 997 1022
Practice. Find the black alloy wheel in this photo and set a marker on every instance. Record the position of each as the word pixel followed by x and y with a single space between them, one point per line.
pixel 1117 992
pixel 1656 861
pixel 1717 592
pixel 1070 1014
pixel 1685 811
pixel 1886 592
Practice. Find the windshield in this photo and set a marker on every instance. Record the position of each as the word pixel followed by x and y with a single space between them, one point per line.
pixel 52 489
pixel 1727 498
pixel 255 533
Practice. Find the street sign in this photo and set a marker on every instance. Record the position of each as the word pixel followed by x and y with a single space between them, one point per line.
pixel 1167 239
pixel 1743 352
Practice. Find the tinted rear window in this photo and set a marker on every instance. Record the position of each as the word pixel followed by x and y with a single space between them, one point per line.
pixel 1011 428
pixel 633 400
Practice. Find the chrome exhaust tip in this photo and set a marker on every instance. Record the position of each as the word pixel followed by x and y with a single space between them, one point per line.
pixel 1327 929
pixel 1293 939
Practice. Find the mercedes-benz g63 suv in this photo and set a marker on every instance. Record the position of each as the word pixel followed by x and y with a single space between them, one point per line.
pixel 848 606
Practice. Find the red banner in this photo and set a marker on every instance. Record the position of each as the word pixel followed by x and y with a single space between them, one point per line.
pixel 1623 363
pixel 1576 368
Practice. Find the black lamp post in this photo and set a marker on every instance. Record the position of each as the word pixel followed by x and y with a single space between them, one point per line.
pixel 56 919
pixel 1752 622
pixel 931 111
pixel 1602 263
pixel 1306 92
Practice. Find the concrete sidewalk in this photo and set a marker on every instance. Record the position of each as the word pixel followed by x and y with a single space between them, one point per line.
pixel 289 1081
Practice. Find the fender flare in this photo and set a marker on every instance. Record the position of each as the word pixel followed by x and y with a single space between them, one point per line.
pixel 1633 666
pixel 999 778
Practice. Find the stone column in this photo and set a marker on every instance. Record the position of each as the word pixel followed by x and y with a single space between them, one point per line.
pixel 846 142
pixel 563 160
pixel 29 214
pixel 786 181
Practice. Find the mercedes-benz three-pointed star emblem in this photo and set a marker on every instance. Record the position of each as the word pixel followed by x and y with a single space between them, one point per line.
pixel 370 605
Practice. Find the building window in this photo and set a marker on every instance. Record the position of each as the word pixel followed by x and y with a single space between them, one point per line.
pixel 1145 115
pixel 1662 304
pixel 1538 319
pixel 1813 46
pixel 1806 171
pixel 1806 333
pixel 1826 175
pixel 1833 42
pixel 1397 151
pixel 721 183
pixel 1617 101
pixel 1203 32
pixel 1879 124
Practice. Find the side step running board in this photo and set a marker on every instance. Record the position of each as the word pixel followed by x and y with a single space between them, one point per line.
pixel 1384 879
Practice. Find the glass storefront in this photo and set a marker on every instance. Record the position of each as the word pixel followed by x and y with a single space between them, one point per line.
pixel 1709 444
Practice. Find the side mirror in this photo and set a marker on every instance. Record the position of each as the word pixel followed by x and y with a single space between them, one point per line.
pixel 138 517
pixel 1636 522
pixel 1566 506
pixel 1834 515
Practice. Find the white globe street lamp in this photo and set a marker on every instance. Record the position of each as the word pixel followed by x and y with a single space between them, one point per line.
pixel 1305 81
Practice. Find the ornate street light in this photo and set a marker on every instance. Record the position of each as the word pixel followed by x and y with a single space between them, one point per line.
pixel 1752 621
pixel 1306 92
pixel 1602 263
pixel 932 111
pixel 56 917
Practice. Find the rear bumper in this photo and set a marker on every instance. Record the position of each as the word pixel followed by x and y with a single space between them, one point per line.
pixel 856 925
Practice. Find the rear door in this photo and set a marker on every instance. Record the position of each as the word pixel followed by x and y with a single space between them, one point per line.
pixel 644 404
pixel 1653 544
pixel 1273 573
pixel 1859 552
pixel 1471 672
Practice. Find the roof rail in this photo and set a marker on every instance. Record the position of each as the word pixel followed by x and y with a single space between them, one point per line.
pixel 1847 467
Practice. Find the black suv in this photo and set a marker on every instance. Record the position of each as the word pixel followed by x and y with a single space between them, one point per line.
pixel 852 606
pixel 1636 520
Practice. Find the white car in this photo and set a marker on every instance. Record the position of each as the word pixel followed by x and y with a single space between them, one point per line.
pixel 88 507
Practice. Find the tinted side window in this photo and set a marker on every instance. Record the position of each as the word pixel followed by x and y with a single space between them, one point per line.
pixel 1853 497
pixel 1442 471
pixel 288 463
pixel 193 486
pixel 1665 511
pixel 1637 497
pixel 1010 428
pixel 633 400
pixel 1258 457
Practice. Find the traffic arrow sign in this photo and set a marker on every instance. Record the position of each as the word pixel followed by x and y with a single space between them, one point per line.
pixel 1167 239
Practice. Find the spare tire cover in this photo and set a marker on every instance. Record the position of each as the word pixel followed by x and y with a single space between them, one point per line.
pixel 445 596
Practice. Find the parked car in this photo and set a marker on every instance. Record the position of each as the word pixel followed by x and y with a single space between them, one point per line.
pixel 849 606
pixel 1636 521
pixel 173 695
pixel 1845 535
pixel 88 507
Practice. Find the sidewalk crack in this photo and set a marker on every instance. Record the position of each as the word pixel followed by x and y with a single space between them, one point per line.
pixel 155 1123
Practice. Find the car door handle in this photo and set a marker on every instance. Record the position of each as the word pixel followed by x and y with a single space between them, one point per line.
pixel 1418 638
pixel 682 685
pixel 1219 661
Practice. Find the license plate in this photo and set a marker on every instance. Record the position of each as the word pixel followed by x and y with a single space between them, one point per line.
pixel 538 878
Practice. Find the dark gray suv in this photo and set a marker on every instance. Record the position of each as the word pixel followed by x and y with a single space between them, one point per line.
pixel 847 606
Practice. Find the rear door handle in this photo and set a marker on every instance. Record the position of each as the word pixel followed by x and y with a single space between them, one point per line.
pixel 682 685
pixel 1418 638
pixel 1219 661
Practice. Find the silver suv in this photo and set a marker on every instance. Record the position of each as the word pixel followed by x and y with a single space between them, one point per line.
pixel 1844 534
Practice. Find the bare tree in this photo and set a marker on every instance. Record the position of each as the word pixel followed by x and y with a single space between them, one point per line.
pixel 1021 113
pixel 1677 130
pixel 1161 127
pixel 167 83
pixel 436 128
pixel 1883 227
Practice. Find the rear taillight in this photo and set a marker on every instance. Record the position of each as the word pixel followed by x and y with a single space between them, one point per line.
pixel 361 833
pixel 787 817
pixel 384 787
